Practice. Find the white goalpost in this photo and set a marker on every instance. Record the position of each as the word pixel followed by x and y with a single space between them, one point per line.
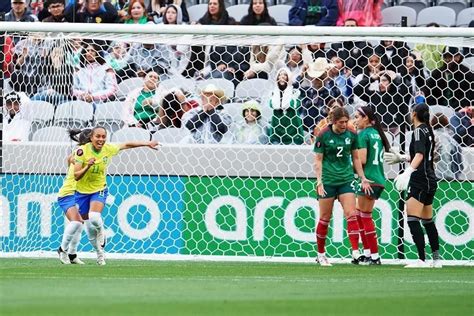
pixel 232 199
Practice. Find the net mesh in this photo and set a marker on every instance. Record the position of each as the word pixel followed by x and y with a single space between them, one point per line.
pixel 235 175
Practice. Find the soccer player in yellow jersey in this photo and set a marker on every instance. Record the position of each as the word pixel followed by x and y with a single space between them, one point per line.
pixel 90 170
pixel 67 202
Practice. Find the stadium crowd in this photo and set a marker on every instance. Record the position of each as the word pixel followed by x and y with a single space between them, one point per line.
pixel 302 82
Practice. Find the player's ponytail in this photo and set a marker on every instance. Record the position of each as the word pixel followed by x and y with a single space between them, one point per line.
pixel 422 112
pixel 374 120
pixel 81 136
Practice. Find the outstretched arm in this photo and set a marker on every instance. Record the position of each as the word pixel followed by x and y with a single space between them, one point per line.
pixel 128 145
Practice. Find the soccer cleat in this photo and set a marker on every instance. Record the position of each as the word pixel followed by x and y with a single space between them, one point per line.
pixel 74 259
pixel 418 264
pixel 323 261
pixel 437 264
pixel 375 262
pixel 63 256
pixel 362 260
pixel 101 259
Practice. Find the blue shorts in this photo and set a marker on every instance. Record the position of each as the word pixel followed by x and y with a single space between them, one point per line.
pixel 84 200
pixel 66 202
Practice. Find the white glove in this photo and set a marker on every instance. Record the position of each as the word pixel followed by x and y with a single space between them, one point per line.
pixel 402 180
pixel 394 156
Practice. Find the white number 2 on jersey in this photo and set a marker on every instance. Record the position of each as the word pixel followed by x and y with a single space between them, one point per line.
pixel 339 151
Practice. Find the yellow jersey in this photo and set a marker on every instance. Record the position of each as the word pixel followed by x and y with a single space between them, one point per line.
pixel 94 180
pixel 69 185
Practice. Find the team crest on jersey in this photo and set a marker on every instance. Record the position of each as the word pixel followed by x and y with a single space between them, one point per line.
pixel 348 141
pixel 79 152
pixel 318 144
pixel 105 159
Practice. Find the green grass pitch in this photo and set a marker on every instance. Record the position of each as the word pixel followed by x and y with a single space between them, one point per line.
pixel 129 287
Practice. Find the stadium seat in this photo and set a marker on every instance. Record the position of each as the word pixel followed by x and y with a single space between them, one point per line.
pixel 469 62
pixel 51 134
pixel 446 110
pixel 39 111
pixel 238 11
pixel 457 6
pixel 131 134
pixel 280 13
pixel 171 135
pixel 186 84
pixel 444 16
pixel 74 114
pixel 465 17
pixel 128 85
pixel 253 89
pixel 109 115
pixel 197 11
pixel 222 83
pixel 393 15
pixel 416 5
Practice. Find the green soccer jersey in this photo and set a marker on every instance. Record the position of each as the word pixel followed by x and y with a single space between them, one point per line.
pixel 370 139
pixel 337 155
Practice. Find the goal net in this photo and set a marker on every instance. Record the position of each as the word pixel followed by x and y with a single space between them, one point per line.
pixel 238 183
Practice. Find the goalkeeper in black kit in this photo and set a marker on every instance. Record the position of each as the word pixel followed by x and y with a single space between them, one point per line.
pixel 420 182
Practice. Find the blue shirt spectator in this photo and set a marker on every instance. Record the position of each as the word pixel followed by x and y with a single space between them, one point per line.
pixel 314 12
pixel 20 13
pixel 463 128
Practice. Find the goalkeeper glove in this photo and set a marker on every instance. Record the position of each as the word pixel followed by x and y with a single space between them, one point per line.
pixel 402 180
pixel 394 156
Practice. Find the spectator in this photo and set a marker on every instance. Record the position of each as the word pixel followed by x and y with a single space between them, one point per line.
pixel 262 60
pixel 157 9
pixel 392 54
pixel 179 54
pixel 73 55
pixel 15 125
pixel 314 12
pixel 122 8
pixel 357 52
pixel 141 104
pixel 136 13
pixel 171 111
pixel 318 94
pixel 364 12
pixel 252 131
pixel 431 54
pixel 258 14
pixel 315 50
pixel 389 97
pixel 95 80
pixel 150 57
pixel 342 77
pixel 19 12
pixel 216 14
pixel 228 62
pixel 39 9
pixel 209 123
pixel 58 77
pixel 371 70
pixel 56 11
pixel 463 126
pixel 119 60
pixel 28 59
pixel 413 75
pixel 286 124
pixel 448 153
pixel 91 11
pixel 293 61
pixel 452 84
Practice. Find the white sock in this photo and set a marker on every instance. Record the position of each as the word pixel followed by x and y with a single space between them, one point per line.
pixel 367 253
pixel 355 254
pixel 75 241
pixel 69 233
pixel 375 256
pixel 91 232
